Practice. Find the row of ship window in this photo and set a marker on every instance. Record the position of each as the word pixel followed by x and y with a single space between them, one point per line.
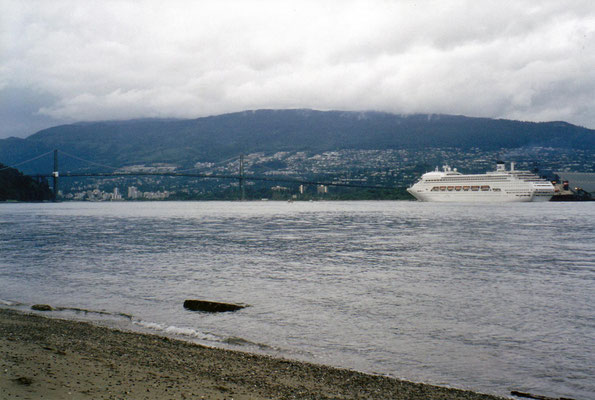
pixel 484 188
pixel 462 178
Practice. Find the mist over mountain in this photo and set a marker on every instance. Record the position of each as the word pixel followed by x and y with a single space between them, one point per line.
pixel 215 138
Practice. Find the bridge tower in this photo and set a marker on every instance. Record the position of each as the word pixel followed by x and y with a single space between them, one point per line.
pixel 55 175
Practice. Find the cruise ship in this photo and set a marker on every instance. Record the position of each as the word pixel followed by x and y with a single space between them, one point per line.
pixel 497 186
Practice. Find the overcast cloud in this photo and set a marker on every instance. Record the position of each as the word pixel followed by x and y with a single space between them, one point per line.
pixel 97 60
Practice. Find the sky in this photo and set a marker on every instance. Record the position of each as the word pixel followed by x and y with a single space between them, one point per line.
pixel 67 61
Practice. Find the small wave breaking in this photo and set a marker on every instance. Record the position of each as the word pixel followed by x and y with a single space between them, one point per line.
pixel 9 303
pixel 183 333
pixel 192 333
pixel 177 331
pixel 238 341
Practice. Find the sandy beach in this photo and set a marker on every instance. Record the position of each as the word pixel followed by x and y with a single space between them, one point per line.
pixel 46 358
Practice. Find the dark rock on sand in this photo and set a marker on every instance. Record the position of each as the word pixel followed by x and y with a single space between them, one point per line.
pixel 23 380
pixel 211 306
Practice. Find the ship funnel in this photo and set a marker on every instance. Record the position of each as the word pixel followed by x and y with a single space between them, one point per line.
pixel 512 166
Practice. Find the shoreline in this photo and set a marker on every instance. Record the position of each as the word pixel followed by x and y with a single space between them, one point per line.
pixel 50 358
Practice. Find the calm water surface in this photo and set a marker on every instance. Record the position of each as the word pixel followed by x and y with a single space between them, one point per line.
pixel 485 297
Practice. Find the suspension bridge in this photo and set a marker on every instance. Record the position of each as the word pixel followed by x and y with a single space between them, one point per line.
pixel 241 177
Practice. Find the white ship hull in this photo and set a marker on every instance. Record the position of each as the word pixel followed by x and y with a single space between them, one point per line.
pixel 477 197
pixel 497 187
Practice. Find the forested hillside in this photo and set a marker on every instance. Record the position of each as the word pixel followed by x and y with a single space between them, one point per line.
pixel 210 139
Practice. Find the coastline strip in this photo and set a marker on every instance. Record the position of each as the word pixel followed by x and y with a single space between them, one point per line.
pixel 60 359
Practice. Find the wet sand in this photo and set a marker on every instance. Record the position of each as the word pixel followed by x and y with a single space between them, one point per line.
pixel 46 358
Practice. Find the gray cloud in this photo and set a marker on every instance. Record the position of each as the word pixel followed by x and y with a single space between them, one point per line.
pixel 19 112
pixel 126 59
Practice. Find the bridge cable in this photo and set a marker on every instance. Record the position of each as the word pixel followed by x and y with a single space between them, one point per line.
pixel 87 161
pixel 116 168
pixel 214 176
pixel 27 161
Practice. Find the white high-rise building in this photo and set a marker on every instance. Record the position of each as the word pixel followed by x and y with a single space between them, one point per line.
pixel 133 192
pixel 116 194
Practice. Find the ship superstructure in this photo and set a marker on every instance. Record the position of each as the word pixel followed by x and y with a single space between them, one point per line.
pixel 501 185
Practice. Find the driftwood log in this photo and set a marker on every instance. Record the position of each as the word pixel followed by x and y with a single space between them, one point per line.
pixel 211 306
pixel 537 396
pixel 41 307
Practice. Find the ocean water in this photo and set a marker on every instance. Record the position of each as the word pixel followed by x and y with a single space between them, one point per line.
pixel 491 298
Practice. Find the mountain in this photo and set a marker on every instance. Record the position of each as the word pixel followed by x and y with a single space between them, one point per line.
pixel 211 139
